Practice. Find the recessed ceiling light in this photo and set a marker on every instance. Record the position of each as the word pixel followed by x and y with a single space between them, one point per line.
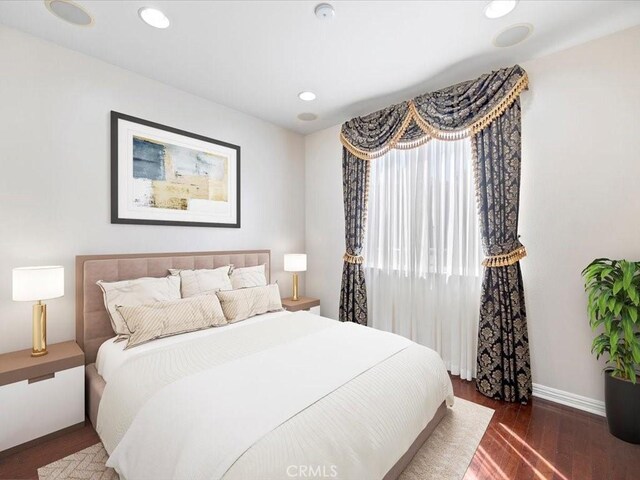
pixel 307 117
pixel 153 17
pixel 69 12
pixel 324 11
pixel 499 8
pixel 307 96
pixel 513 35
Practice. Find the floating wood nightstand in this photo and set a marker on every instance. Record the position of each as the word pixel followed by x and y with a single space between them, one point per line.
pixel 40 396
pixel 303 303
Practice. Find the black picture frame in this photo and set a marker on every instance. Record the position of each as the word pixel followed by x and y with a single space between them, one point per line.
pixel 115 217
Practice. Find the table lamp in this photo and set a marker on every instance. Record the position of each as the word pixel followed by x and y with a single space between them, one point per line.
pixel 295 262
pixel 34 284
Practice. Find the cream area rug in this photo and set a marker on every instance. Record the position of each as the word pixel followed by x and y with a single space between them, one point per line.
pixel 444 456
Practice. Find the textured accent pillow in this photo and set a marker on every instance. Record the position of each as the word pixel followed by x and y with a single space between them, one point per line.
pixel 203 281
pixel 248 277
pixel 164 319
pixel 247 302
pixel 141 291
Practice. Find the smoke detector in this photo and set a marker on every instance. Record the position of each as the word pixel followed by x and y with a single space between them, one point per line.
pixel 324 11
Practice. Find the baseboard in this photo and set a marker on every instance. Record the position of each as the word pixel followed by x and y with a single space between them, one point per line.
pixel 37 441
pixel 569 399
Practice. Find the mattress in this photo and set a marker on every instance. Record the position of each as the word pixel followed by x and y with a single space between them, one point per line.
pixel 360 427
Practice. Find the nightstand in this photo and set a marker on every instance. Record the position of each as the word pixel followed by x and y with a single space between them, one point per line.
pixel 312 305
pixel 40 396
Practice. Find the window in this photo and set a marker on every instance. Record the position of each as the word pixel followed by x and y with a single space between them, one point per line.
pixel 423 249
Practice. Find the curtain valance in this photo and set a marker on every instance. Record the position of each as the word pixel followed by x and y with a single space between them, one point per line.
pixel 452 113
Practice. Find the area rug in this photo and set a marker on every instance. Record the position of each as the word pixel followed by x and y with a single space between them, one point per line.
pixel 445 455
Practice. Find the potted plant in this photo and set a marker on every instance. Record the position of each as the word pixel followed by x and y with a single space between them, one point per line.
pixel 614 307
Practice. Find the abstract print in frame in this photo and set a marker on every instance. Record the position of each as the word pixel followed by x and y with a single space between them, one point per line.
pixel 164 176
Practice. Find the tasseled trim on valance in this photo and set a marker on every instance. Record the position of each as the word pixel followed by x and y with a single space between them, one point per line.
pixel 430 131
pixel 412 144
pixel 484 122
pixel 505 259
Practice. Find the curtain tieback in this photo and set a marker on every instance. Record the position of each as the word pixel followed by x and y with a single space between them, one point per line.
pixel 505 259
pixel 355 259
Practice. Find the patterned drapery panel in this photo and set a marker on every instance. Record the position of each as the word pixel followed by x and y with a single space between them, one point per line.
pixel 353 294
pixel 487 109
pixel 503 348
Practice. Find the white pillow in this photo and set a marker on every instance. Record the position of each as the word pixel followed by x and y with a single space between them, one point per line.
pixel 248 277
pixel 163 319
pixel 248 302
pixel 141 291
pixel 203 281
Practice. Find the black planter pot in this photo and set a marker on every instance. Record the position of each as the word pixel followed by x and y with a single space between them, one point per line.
pixel 622 403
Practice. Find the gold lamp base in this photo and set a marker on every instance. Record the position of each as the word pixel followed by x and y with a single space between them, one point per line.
pixel 39 330
pixel 294 297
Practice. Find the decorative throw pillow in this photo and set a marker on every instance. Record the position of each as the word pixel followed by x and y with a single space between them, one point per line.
pixel 164 319
pixel 141 291
pixel 246 277
pixel 203 281
pixel 247 302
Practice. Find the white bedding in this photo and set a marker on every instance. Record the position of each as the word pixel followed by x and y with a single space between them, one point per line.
pixel 353 404
pixel 112 354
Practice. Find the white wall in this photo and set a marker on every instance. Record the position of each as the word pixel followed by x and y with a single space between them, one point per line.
pixel 54 178
pixel 580 171
pixel 324 218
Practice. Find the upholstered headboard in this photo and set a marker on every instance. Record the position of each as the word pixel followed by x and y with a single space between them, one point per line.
pixel 93 326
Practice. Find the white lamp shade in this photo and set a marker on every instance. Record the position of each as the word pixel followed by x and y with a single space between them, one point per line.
pixel 295 262
pixel 31 284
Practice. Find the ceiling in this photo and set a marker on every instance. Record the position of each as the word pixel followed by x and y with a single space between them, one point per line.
pixel 255 56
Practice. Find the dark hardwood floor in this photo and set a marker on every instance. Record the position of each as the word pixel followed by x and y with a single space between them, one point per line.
pixel 25 463
pixel 538 441
pixel 544 440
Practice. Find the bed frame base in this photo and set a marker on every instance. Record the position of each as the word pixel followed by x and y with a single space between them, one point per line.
pixel 94 385
pixel 405 460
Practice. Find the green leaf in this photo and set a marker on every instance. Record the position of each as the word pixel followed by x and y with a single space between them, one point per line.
pixel 605 272
pixel 636 353
pixel 617 286
pixel 596 264
pixel 607 325
pixel 613 342
pixel 632 374
pixel 633 294
pixel 633 313
pixel 627 276
pixel 603 303
pixel 618 308
pixel 628 332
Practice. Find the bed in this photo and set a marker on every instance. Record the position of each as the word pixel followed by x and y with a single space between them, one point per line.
pixel 280 395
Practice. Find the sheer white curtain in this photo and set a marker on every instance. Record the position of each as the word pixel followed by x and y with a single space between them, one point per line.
pixel 423 250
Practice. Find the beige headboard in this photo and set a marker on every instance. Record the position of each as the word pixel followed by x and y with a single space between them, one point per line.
pixel 93 326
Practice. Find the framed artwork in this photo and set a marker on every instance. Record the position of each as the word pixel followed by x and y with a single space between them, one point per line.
pixel 165 176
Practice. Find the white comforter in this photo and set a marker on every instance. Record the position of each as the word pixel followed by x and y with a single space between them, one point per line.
pixel 269 399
